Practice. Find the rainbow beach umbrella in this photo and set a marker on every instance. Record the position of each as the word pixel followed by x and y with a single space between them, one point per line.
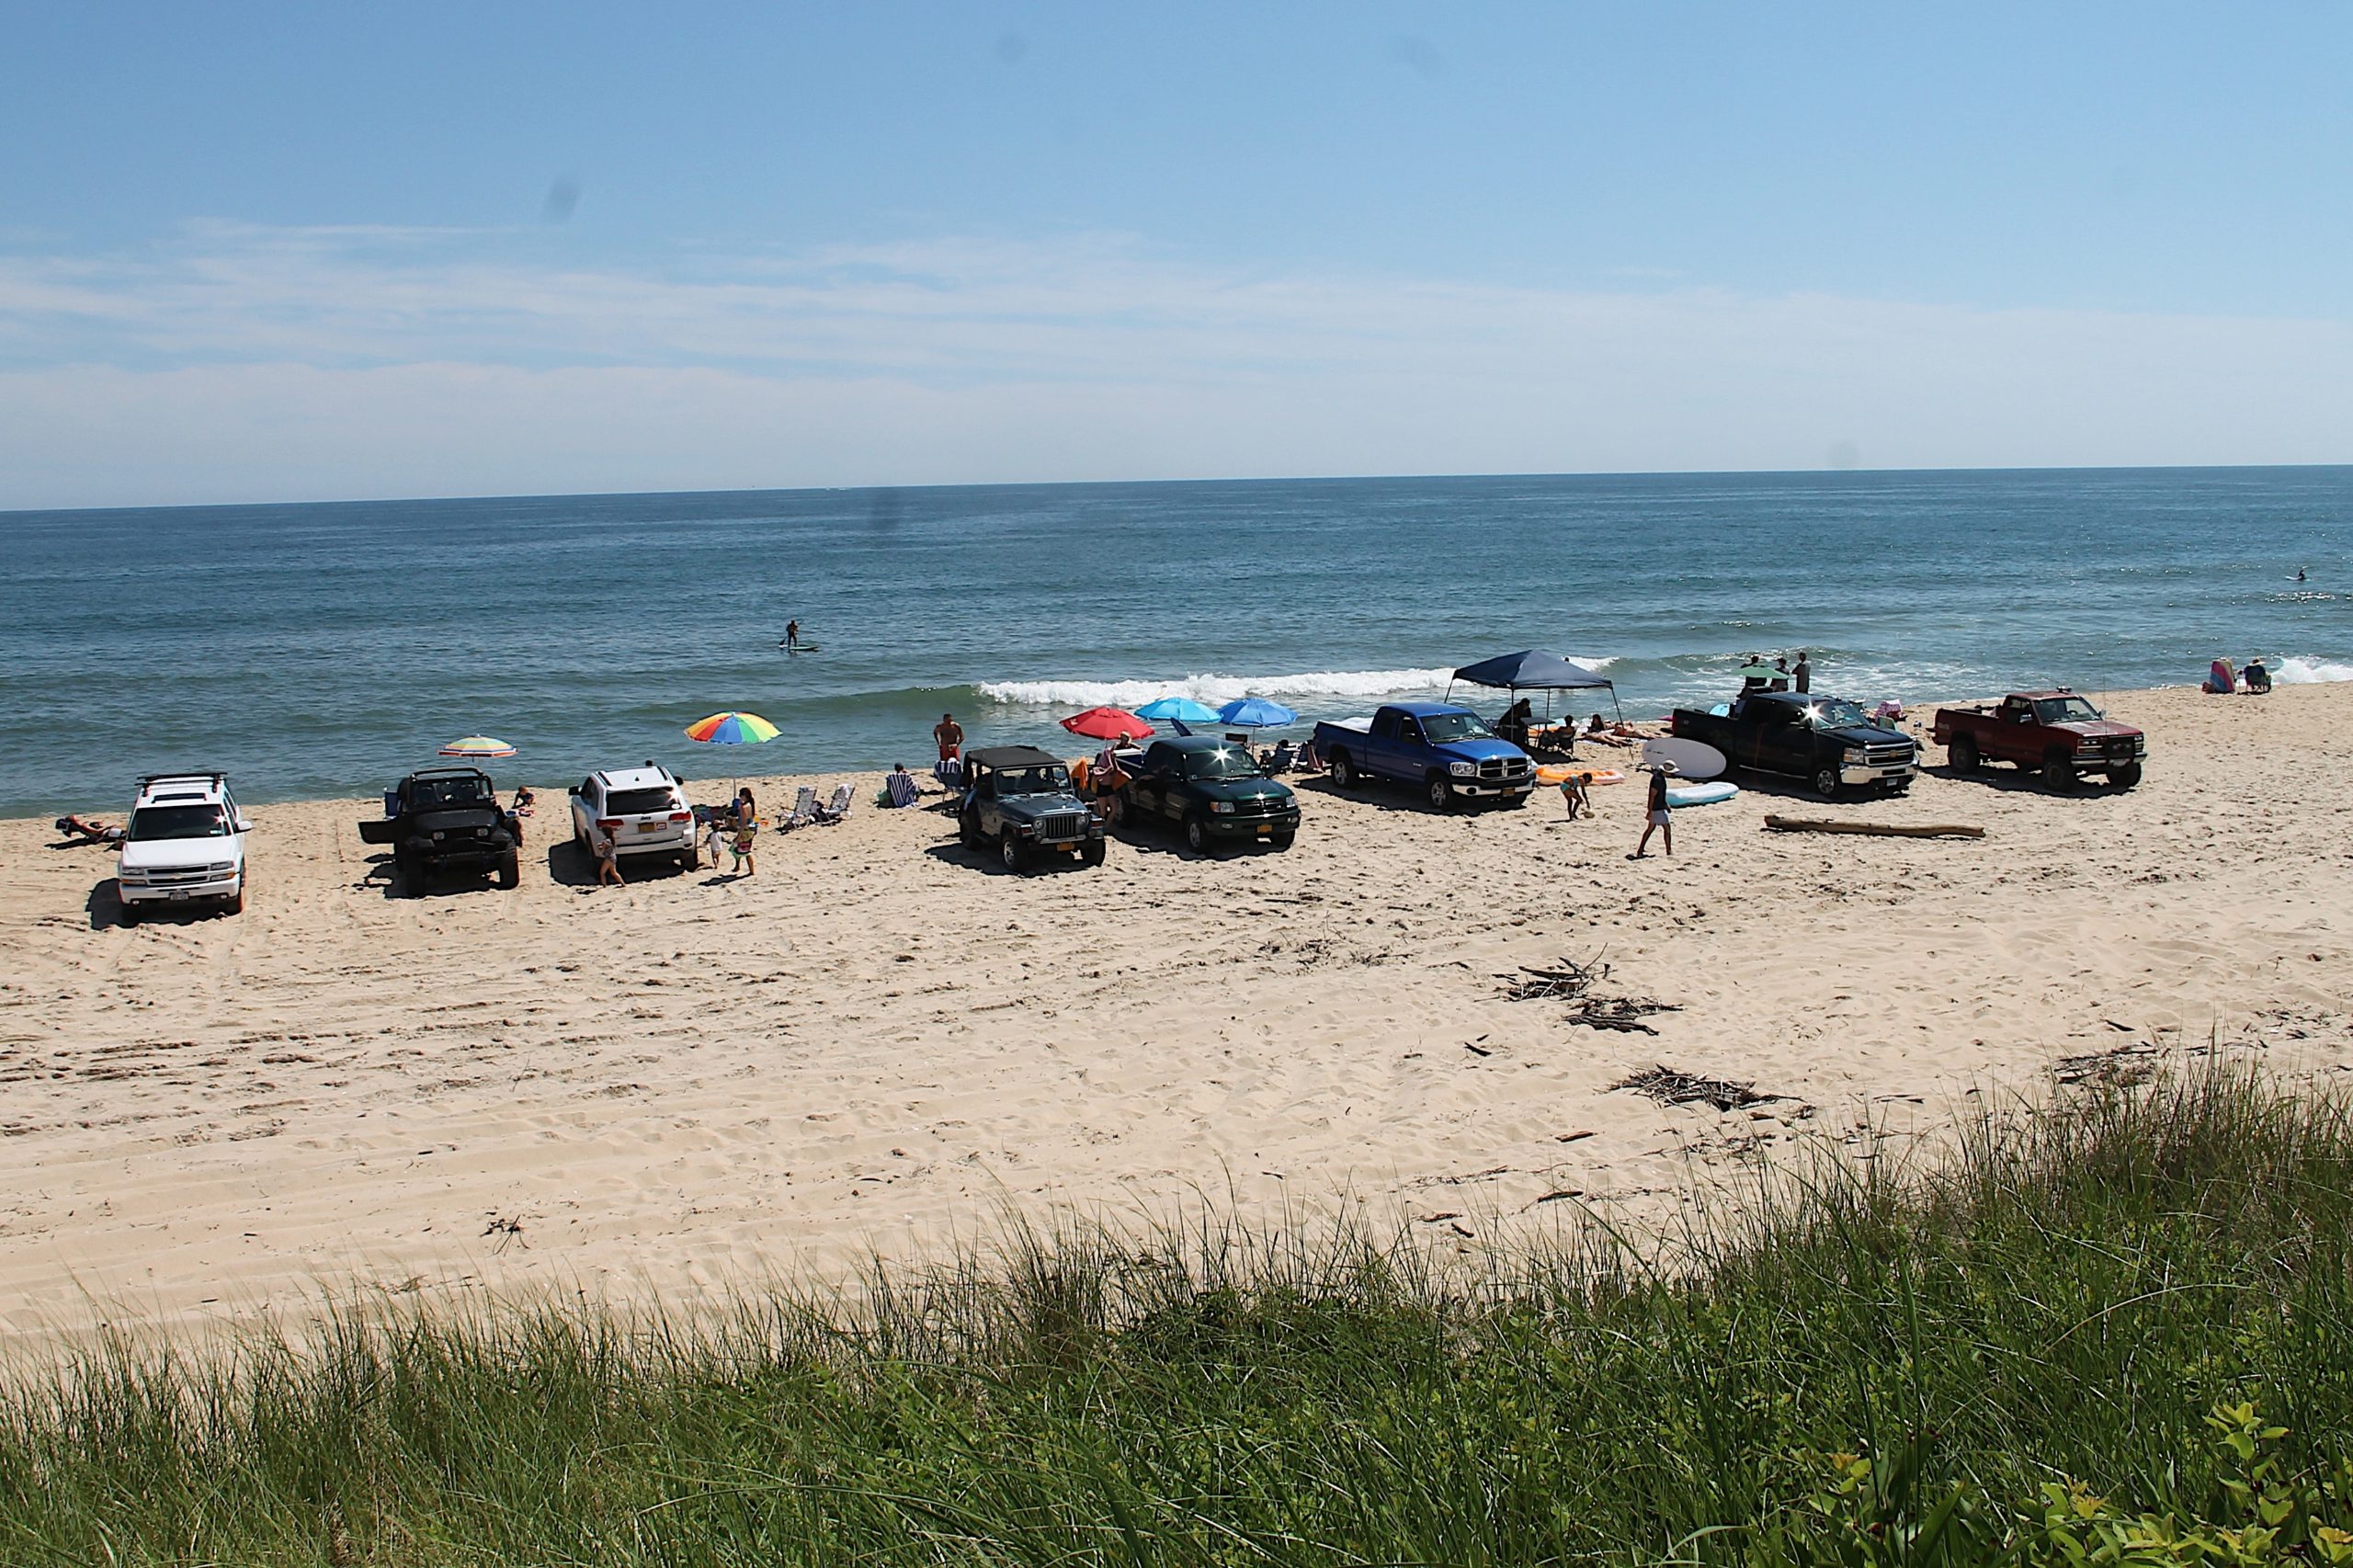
pixel 478 748
pixel 731 730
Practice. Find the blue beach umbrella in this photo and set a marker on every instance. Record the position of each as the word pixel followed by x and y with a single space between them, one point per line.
pixel 1255 713
pixel 1182 710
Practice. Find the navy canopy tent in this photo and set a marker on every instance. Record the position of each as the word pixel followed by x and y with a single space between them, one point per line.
pixel 1533 670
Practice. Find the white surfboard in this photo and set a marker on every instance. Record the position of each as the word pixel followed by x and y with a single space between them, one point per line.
pixel 1692 759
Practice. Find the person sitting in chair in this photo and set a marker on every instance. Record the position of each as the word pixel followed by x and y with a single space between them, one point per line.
pixel 2258 678
pixel 88 830
pixel 1513 725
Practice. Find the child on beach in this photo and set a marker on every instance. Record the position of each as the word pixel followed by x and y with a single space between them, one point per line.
pixel 1572 791
pixel 741 847
pixel 608 865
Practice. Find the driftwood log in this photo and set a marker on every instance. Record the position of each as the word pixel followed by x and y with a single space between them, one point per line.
pixel 1874 829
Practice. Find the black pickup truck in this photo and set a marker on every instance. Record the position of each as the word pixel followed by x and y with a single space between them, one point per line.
pixel 1214 790
pixel 448 819
pixel 1020 799
pixel 1826 741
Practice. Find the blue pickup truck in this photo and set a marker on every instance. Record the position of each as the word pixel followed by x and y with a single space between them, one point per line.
pixel 1443 750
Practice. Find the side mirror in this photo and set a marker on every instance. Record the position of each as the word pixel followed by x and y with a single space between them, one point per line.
pixel 574 791
pixel 244 825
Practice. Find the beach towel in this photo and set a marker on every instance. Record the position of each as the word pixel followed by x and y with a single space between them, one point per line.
pixel 900 788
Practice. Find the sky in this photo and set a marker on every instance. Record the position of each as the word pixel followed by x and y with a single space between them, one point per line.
pixel 260 253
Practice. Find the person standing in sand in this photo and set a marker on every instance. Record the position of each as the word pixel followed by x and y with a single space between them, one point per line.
pixel 608 865
pixel 950 736
pixel 1656 817
pixel 1572 791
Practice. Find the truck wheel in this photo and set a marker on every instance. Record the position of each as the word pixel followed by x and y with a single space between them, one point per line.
pixel 1283 841
pixel 405 872
pixel 1441 790
pixel 1962 754
pixel 235 903
pixel 510 869
pixel 1825 783
pixel 1095 851
pixel 2059 773
pixel 1344 772
pixel 128 912
pixel 1196 836
pixel 1009 850
pixel 2124 777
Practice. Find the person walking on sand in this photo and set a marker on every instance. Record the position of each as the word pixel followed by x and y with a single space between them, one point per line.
pixel 1656 818
pixel 1804 674
pixel 608 865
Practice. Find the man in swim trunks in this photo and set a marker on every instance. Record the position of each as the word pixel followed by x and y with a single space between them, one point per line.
pixel 950 736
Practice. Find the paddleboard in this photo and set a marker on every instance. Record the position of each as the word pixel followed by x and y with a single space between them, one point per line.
pixel 1701 794
pixel 798 647
pixel 1692 759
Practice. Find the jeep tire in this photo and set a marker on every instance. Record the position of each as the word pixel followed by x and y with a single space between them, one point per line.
pixel 510 870
pixel 1009 850
pixel 1095 851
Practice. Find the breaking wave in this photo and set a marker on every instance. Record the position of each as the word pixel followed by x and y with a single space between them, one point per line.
pixel 1212 688
pixel 2311 672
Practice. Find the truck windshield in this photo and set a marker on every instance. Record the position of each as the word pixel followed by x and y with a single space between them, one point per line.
pixel 1032 781
pixel 152 822
pixel 1443 727
pixel 1226 762
pixel 1836 713
pixel 441 794
pixel 2066 711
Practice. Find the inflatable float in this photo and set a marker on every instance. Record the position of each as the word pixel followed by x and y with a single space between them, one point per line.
pixel 1558 773
pixel 1700 794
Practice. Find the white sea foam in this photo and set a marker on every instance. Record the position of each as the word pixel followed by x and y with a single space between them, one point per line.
pixel 2311 672
pixel 1220 688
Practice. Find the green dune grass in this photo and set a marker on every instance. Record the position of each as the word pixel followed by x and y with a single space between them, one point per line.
pixel 2111 1331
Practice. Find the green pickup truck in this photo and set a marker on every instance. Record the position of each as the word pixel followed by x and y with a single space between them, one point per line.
pixel 1213 791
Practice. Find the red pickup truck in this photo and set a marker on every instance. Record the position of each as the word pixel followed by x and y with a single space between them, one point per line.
pixel 2057 733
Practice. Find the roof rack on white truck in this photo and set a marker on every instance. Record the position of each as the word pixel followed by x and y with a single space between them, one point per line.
pixel 183 845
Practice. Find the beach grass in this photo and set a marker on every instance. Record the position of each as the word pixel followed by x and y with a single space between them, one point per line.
pixel 2109 1329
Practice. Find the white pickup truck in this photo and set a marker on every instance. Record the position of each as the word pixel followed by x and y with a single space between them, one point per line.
pixel 184 845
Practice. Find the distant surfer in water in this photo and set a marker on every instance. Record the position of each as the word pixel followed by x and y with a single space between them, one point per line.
pixel 791 635
pixel 2300 574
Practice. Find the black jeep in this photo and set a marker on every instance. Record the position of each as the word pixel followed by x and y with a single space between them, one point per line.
pixel 447 819
pixel 1020 799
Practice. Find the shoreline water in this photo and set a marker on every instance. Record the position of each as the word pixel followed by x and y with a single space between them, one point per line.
pixel 316 652
pixel 880 1042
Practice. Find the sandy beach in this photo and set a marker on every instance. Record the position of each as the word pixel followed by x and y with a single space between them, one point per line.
pixel 880 1042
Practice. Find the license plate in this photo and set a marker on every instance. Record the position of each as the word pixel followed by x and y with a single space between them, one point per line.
pixel 649 827
pixel 1264 829
pixel 179 892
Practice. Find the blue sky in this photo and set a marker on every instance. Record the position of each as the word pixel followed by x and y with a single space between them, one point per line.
pixel 262 253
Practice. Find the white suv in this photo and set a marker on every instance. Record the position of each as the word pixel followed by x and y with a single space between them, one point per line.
pixel 644 810
pixel 184 845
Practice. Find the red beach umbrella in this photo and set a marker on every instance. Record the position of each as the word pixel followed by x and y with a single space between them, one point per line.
pixel 1107 724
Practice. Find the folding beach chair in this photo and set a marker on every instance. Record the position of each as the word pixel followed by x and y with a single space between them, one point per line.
pixel 804 810
pixel 838 808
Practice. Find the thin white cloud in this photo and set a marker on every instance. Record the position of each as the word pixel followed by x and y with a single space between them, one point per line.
pixel 248 364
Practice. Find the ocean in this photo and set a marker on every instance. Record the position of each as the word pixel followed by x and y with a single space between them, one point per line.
pixel 321 649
